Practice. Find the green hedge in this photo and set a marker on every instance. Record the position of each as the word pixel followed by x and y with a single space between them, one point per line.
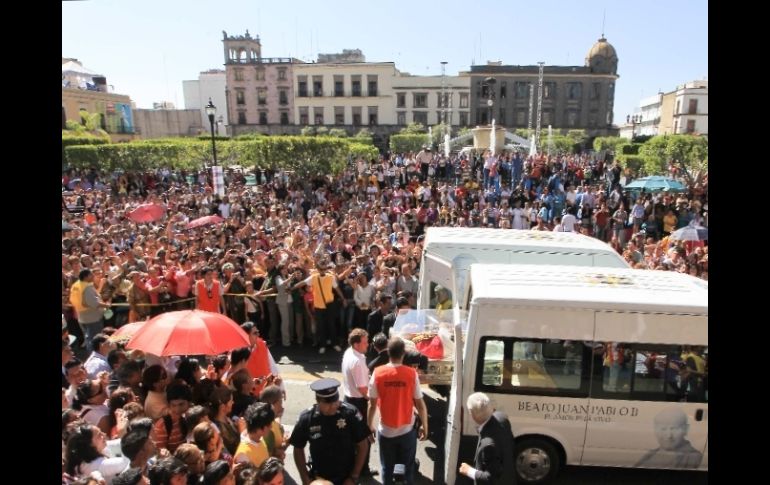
pixel 216 137
pixel 611 143
pixel 407 142
pixel 305 155
pixel 72 140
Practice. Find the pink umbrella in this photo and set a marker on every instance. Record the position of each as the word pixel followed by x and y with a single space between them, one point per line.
pixel 204 221
pixel 189 332
pixel 147 213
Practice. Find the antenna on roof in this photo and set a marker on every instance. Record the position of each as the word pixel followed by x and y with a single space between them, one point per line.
pixel 604 14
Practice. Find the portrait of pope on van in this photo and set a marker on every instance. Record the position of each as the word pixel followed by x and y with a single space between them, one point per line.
pixel 675 451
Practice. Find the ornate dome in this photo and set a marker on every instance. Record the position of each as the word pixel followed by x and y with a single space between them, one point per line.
pixel 602 57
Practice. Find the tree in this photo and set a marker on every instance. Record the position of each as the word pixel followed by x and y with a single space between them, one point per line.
pixel 688 153
pixel 338 133
pixel 364 135
pixel 611 143
pixel 438 132
pixel 413 129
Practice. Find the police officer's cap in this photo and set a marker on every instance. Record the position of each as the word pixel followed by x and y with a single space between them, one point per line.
pixel 326 389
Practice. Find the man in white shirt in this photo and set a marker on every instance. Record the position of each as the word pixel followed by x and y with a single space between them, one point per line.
pixel 355 377
pixel 97 361
pixel 569 221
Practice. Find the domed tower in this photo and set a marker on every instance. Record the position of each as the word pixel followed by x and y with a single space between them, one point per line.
pixel 602 58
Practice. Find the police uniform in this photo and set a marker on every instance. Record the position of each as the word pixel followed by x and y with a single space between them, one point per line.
pixel 333 439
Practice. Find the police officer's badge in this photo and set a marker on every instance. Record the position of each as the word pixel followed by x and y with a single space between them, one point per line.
pixel 341 423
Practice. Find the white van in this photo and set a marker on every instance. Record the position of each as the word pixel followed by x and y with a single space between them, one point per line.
pixel 449 250
pixel 593 366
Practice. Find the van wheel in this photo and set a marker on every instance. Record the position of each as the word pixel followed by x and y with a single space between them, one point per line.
pixel 537 461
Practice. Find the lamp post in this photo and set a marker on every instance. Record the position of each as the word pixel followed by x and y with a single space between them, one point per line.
pixel 490 83
pixel 211 111
pixel 633 121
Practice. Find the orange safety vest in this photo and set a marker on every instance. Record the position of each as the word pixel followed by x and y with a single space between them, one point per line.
pixel 323 291
pixel 258 364
pixel 206 302
pixel 395 394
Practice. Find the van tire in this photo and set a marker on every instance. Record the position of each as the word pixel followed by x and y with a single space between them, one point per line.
pixel 536 461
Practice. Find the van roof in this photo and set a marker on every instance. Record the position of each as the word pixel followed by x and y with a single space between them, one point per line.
pixel 581 287
pixel 489 237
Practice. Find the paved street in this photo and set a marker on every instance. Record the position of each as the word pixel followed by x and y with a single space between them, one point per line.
pixel 301 367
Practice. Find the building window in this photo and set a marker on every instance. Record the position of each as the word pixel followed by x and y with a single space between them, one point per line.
pixel 263 117
pixel 372 87
pixel 400 100
pixel 463 118
pixel 596 90
pixel 339 115
pixel 501 119
pixel 484 90
pixel 356 119
pixel 240 97
pixel 575 90
pixel 241 117
pixel 572 116
pixel 482 116
pixel 260 73
pixel 521 117
pixel 521 89
pixel 302 89
pixel 593 119
pixel 339 85
pixel 261 96
pixel 318 86
pixel 503 89
pixel 464 100
pixel 282 74
pixel 547 117
pixel 372 115
pixel 284 117
pixel 401 118
pixel 283 97
pixel 690 126
pixel 356 85
pixel 420 100
pixel 549 90
pixel 303 116
pixel 239 74
pixel 693 108
pixel 420 117
pixel 318 115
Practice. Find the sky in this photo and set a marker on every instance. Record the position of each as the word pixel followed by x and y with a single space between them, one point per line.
pixel 147 48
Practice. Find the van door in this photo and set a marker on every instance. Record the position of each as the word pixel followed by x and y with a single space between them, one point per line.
pixel 434 271
pixel 454 418
pixel 649 394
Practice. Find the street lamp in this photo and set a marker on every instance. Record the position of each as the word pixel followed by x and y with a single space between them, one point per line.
pixel 490 83
pixel 211 111
pixel 633 121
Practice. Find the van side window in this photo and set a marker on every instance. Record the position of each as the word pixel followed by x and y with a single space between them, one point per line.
pixel 533 366
pixel 440 297
pixel 648 372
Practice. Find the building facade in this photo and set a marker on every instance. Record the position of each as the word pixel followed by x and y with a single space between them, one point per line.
pixel 259 89
pixel 351 93
pixel 573 97
pixel 211 85
pixel 646 120
pixel 418 99
pixel 163 123
pixel 84 90
pixel 691 108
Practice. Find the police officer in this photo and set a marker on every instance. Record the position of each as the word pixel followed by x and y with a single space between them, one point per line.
pixel 338 437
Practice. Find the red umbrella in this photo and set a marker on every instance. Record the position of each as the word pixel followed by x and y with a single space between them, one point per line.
pixel 189 332
pixel 204 221
pixel 147 213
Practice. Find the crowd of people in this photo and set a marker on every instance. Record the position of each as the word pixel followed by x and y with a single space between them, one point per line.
pixel 298 262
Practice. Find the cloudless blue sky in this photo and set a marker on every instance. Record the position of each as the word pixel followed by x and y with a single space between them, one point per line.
pixel 147 48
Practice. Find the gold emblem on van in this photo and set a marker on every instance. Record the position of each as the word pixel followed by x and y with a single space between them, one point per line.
pixel 608 280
